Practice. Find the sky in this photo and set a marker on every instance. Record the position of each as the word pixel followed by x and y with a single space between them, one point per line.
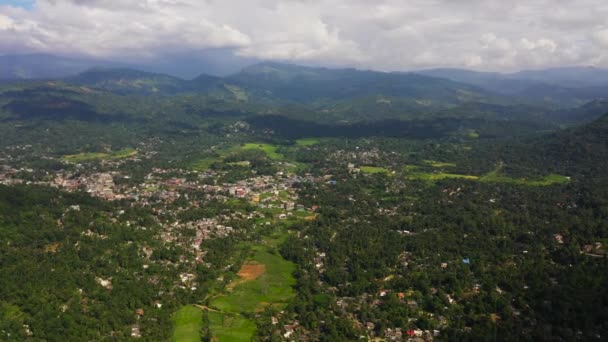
pixel 388 35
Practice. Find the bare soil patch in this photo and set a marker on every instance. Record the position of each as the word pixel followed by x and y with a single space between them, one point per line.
pixel 251 270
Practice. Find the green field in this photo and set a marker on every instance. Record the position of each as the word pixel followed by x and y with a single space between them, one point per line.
pixel 88 156
pixel 187 323
pixel 496 177
pixel 308 142
pixel 431 177
pixel 239 93
pixel 270 150
pixel 274 287
pixel 231 327
pixel 438 164
pixel 410 168
pixel 205 163
pixel 545 181
pixel 473 135
pixel 492 177
pixel 374 169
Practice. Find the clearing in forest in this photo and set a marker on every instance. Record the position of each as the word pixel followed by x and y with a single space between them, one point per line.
pixel 187 323
pixel 308 142
pixel 494 176
pixel 251 270
pixel 265 279
pixel 374 169
pixel 204 164
pixel 88 156
pixel 270 150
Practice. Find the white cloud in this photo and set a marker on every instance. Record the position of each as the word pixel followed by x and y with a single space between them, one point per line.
pixel 380 34
pixel 600 37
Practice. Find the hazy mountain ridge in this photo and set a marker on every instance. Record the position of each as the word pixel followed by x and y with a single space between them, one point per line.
pixel 316 94
pixel 562 87
pixel 44 66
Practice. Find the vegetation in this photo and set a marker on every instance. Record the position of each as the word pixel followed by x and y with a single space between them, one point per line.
pixel 187 324
pixel 264 281
pixel 374 169
pixel 88 156
pixel 472 215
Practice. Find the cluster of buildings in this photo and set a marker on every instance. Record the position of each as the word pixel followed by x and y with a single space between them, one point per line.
pixel 7 175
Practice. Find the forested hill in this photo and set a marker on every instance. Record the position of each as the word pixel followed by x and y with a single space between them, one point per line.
pixel 306 84
pixel 319 95
pixel 555 87
pixel 584 148
pixel 130 81
pixel 290 83
pixel 580 152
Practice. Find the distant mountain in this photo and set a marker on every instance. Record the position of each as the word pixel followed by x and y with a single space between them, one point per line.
pixel 43 66
pixel 584 114
pixel 492 81
pixel 276 81
pixel 47 66
pixel 564 97
pixel 130 81
pixel 562 87
pixel 567 77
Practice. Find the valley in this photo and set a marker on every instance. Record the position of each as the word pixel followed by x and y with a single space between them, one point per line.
pixel 279 204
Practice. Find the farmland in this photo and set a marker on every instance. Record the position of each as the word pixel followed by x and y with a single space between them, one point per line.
pixel 265 279
pixel 90 156
pixel 187 323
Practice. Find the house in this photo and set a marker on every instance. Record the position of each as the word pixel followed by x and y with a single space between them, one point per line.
pixel 289 330
pixel 135 331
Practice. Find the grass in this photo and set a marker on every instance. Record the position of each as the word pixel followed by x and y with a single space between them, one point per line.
pixel 496 177
pixel 205 163
pixel 187 322
pixel 239 93
pixel 270 150
pixel 545 181
pixel 431 177
pixel 274 287
pixel 493 177
pixel 410 168
pixel 231 327
pixel 473 135
pixel 374 169
pixel 438 164
pixel 308 142
pixel 88 156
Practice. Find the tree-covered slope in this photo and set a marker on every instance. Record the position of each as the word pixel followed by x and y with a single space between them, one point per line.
pixel 313 85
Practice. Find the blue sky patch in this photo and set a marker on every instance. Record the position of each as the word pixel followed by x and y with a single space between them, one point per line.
pixel 27 4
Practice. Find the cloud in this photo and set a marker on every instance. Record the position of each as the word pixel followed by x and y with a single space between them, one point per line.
pixel 600 37
pixel 380 34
